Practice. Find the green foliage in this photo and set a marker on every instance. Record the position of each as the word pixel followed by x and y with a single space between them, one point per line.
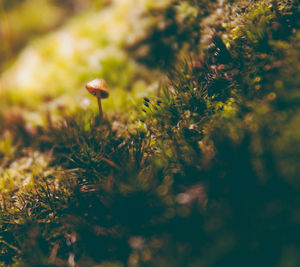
pixel 175 30
pixel 22 20
pixel 205 175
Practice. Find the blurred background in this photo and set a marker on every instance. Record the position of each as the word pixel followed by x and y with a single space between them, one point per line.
pixel 50 49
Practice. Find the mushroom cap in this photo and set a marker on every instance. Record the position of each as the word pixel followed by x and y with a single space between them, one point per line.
pixel 98 88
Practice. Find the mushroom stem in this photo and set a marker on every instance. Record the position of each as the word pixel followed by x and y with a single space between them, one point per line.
pixel 100 109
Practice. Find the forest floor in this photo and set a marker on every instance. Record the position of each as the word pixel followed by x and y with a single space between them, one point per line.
pixel 196 160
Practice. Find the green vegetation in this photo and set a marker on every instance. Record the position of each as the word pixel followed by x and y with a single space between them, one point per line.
pixel 196 161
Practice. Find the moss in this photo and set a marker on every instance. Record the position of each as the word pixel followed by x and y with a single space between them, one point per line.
pixel 201 170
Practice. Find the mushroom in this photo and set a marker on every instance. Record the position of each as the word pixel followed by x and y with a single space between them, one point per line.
pixel 98 88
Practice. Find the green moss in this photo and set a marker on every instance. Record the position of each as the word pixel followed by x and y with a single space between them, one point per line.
pixel 201 170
